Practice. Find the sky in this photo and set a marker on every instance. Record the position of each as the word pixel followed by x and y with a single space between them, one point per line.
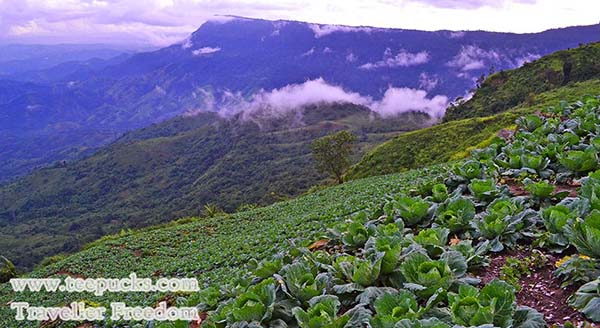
pixel 162 22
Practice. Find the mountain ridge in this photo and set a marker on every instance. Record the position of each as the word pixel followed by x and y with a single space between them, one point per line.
pixel 242 58
pixel 172 169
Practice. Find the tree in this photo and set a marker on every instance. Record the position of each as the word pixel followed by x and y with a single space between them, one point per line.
pixel 332 153
pixel 7 270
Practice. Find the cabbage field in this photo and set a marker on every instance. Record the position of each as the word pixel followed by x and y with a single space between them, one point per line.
pixel 416 259
pixel 475 243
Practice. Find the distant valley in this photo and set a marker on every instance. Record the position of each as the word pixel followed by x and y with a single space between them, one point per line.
pixel 72 109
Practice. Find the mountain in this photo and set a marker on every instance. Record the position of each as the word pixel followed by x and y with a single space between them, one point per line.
pixel 363 240
pixel 16 59
pixel 227 62
pixel 172 169
pixel 497 102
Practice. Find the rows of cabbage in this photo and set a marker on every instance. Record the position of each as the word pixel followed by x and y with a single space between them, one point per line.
pixel 212 250
pixel 412 260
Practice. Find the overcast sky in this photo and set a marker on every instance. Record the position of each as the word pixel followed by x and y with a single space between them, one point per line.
pixel 163 22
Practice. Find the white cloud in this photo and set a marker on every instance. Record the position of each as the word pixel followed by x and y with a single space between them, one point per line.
pixel 401 100
pixel 351 58
pixel 309 52
pixel 294 97
pixel 457 34
pixel 324 30
pixel 187 43
pixel 528 58
pixel 205 51
pixel 428 82
pixel 402 59
pixel 472 4
pixel 472 57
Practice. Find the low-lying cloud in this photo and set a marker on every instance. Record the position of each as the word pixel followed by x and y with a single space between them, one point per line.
pixel 402 100
pixel 294 97
pixel 205 51
pixel 472 57
pixel 470 4
pixel 401 59
pixel 321 30
pixel 528 58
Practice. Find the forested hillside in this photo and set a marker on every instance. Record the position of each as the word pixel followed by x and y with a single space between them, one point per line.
pixel 507 89
pixel 174 169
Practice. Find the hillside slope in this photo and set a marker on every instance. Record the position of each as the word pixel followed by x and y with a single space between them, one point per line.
pixel 452 140
pixel 469 238
pixel 500 99
pixel 507 89
pixel 171 170
pixel 215 250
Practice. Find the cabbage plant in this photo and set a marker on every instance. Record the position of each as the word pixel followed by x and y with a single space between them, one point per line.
pixel 304 282
pixel 556 218
pixel 455 214
pixel 425 276
pixel 391 308
pixel 412 211
pixel 433 240
pixel 587 300
pixel 254 305
pixel 484 189
pixel 584 234
pixel 323 311
pixel 494 304
pixel 580 161
pixel 390 247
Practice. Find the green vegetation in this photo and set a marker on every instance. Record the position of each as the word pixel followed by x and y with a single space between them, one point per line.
pixel 370 259
pixel 387 259
pixel 587 300
pixel 515 268
pixel 172 170
pixel 214 250
pixel 453 140
pixel 403 250
pixel 7 270
pixel 332 153
pixel 505 90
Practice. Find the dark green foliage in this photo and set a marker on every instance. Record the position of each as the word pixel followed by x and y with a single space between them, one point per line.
pixel 172 170
pixel 332 153
pixel 371 252
pixel 438 144
pixel 218 251
pixel 7 270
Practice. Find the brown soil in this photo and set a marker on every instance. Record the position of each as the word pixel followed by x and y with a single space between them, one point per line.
pixel 514 187
pixel 517 189
pixel 541 290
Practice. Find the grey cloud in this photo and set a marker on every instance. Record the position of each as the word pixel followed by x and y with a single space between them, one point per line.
pixel 120 21
pixel 470 4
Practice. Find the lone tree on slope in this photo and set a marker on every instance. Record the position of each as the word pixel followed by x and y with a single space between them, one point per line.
pixel 332 153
